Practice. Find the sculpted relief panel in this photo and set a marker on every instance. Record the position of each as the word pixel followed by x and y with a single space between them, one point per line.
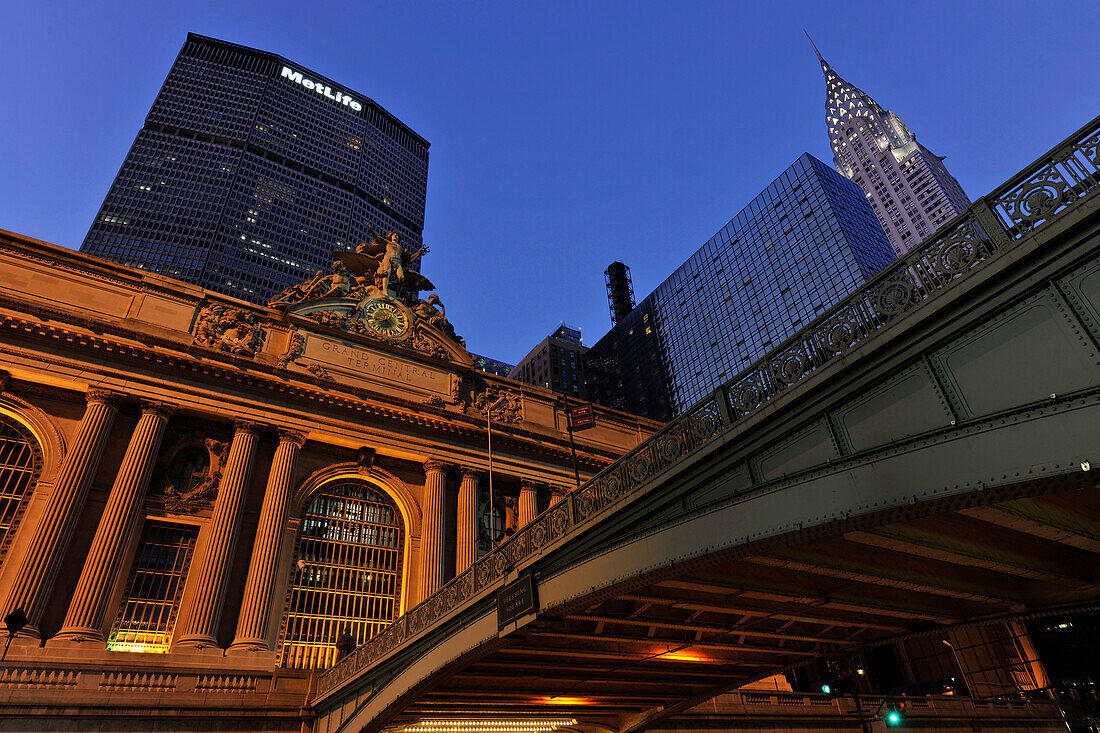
pixel 228 329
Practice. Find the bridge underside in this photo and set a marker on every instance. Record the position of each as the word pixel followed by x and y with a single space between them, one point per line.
pixel 915 461
pixel 664 642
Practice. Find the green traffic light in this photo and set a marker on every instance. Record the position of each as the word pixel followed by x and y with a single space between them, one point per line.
pixel 893 718
pixel 826 688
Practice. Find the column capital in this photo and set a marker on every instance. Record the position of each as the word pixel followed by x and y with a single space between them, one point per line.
pixel 286 435
pixel 248 426
pixel 432 464
pixel 470 471
pixel 105 397
pixel 160 409
pixel 526 484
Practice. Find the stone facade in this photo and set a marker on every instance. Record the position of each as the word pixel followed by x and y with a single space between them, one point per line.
pixel 146 405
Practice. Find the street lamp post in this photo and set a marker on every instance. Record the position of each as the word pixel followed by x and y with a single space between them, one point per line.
pixel 492 506
pixel 958 665
pixel 572 442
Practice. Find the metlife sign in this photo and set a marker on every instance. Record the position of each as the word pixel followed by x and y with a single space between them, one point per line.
pixel 325 91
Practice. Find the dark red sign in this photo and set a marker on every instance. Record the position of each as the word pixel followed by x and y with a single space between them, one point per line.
pixel 582 417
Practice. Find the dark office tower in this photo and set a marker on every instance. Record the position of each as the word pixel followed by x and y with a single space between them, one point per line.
pixel 620 291
pixel 250 170
pixel 794 251
pixel 557 363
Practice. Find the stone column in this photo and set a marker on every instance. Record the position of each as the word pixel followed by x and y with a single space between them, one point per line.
pixel 116 527
pixel 431 538
pixel 49 545
pixel 260 588
pixel 528 503
pixel 466 551
pixel 212 568
pixel 557 493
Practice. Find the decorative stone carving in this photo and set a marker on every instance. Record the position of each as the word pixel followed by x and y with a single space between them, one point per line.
pixel 426 311
pixel 365 459
pixel 163 409
pixel 203 488
pixel 432 401
pixel 457 395
pixel 508 410
pixel 111 399
pixel 295 349
pixel 372 292
pixel 287 435
pixel 320 372
pixel 228 329
pixel 425 345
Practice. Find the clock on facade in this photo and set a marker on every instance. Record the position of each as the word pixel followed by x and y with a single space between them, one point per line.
pixel 385 318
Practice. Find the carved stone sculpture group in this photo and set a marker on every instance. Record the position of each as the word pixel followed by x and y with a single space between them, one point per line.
pixel 376 270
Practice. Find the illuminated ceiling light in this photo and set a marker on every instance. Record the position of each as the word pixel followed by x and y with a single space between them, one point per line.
pixel 684 655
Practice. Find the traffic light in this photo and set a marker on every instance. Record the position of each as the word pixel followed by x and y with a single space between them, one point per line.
pixel 835 680
pixel 895 714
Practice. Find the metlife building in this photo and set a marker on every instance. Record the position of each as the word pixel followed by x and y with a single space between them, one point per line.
pixel 250 170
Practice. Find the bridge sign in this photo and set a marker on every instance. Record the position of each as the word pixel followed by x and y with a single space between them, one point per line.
pixel 516 600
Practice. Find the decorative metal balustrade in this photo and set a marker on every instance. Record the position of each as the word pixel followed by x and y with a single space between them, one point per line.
pixel 985 231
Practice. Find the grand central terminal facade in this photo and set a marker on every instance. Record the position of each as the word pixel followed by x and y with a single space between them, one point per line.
pixel 204 502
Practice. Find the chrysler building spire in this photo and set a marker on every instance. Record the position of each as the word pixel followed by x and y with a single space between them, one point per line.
pixel 908 187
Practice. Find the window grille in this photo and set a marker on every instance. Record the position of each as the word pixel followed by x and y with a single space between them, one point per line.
pixel 151 601
pixel 20 465
pixel 348 574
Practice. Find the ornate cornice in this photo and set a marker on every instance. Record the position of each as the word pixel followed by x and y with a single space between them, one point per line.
pixel 259 375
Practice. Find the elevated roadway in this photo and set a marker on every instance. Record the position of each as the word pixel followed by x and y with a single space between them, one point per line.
pixel 922 457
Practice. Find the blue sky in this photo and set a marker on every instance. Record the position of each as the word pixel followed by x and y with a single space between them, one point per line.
pixel 564 135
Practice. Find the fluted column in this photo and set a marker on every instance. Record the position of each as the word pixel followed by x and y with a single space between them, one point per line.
pixel 431 538
pixel 528 503
pixel 48 548
pixel 116 527
pixel 557 493
pixel 212 569
pixel 259 590
pixel 466 552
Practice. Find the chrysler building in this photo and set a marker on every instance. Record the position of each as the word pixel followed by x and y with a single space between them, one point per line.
pixel 908 186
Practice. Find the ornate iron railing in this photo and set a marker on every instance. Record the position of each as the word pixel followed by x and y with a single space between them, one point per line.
pixel 991 226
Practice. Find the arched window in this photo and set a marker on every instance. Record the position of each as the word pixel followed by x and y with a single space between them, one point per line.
pixel 20 466
pixel 348 575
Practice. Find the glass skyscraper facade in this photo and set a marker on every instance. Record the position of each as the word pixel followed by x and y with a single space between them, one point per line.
pixel 250 170
pixel 801 245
